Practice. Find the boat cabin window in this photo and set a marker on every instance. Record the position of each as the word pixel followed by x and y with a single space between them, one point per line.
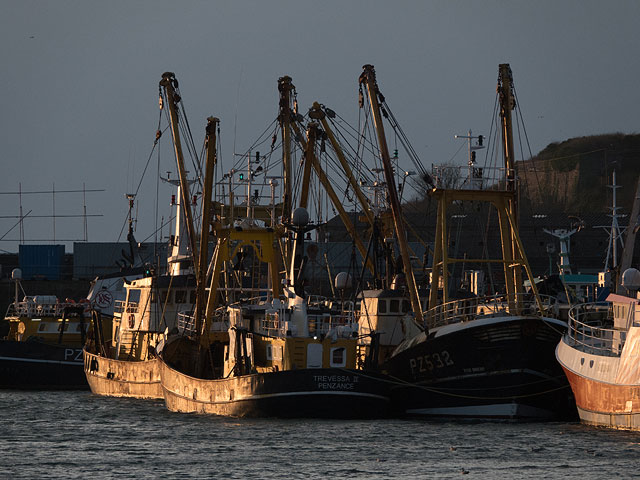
pixel 133 296
pixel 192 297
pixel 165 297
pixel 406 306
pixel 394 306
pixel 181 296
pixel 338 357
pixel 382 306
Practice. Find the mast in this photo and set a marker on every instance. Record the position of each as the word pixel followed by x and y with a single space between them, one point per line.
pixel 507 103
pixel 368 78
pixel 312 161
pixel 309 152
pixel 630 240
pixel 211 158
pixel 503 199
pixel 169 83
pixel 316 113
pixel 614 232
pixel 285 87
pixel 513 278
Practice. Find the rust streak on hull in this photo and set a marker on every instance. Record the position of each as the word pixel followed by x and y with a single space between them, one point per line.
pixel 608 405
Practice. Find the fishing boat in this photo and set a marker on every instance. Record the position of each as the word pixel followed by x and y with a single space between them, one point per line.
pixel 125 363
pixel 599 357
pixel 41 341
pixel 42 337
pixel 599 352
pixel 283 359
pixel 281 355
pixel 472 356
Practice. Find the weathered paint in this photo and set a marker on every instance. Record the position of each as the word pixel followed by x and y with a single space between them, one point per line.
pixel 322 392
pixel 602 395
pixel 117 378
pixel 608 405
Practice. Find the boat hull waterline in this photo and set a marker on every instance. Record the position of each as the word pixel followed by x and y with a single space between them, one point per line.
pixel 601 400
pixel 313 393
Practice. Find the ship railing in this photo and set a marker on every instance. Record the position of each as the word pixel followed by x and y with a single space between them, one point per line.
pixel 186 323
pixel 590 330
pixel 472 177
pixel 35 309
pixel 122 306
pixel 467 309
pixel 271 324
pixel 341 324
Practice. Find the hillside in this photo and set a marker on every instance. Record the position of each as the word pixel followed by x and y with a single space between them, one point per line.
pixel 572 176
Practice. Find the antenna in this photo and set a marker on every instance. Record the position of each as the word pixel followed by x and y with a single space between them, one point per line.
pixel 474 179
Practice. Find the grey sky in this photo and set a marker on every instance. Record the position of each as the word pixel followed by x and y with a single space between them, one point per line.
pixel 81 81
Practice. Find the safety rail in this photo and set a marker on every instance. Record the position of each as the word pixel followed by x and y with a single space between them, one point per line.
pixel 467 309
pixel 472 177
pixel 35 309
pixel 122 306
pixel 186 324
pixel 342 323
pixel 271 324
pixel 590 330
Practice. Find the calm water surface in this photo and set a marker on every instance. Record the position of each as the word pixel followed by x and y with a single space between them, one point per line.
pixel 80 435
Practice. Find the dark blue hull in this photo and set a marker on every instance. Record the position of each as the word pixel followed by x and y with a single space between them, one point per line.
pixel 37 365
pixel 502 369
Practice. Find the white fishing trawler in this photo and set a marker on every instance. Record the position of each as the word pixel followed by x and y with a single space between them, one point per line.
pixel 126 364
pixel 600 353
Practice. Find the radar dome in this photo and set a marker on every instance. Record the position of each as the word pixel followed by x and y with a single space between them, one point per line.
pixel 631 279
pixel 300 217
pixel 16 274
pixel 342 281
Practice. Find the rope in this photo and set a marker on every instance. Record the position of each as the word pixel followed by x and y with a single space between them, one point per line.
pixel 403 383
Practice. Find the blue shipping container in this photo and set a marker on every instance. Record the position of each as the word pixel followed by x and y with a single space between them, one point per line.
pixel 41 261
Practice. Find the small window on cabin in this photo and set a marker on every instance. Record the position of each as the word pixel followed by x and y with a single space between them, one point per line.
pixel 406 306
pixel 165 297
pixel 338 357
pixel 66 326
pixel 181 296
pixel 192 297
pixel 42 327
pixel 382 306
pixel 134 295
pixel 394 306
